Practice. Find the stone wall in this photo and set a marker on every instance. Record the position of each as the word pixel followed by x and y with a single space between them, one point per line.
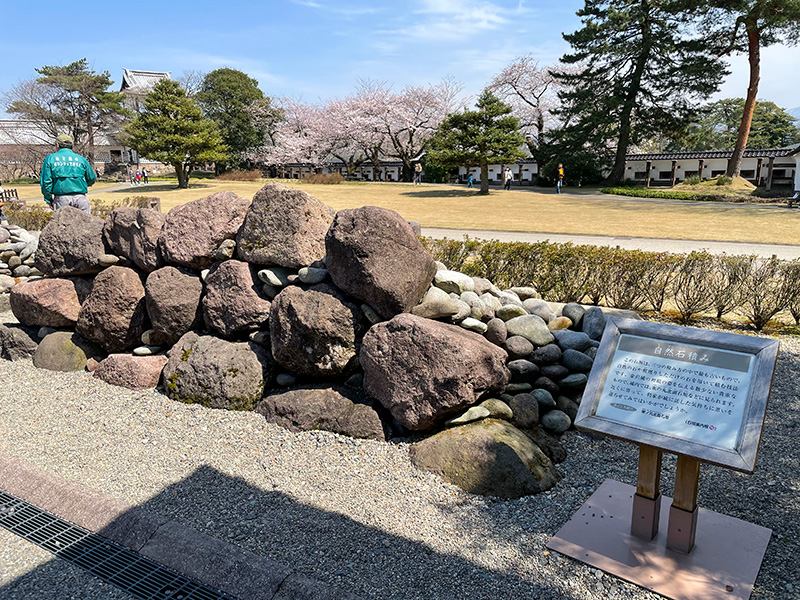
pixel 316 319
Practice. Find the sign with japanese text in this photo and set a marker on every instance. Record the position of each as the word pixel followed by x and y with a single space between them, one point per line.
pixel 684 390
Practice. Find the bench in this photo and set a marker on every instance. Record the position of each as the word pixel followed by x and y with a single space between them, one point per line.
pixel 9 195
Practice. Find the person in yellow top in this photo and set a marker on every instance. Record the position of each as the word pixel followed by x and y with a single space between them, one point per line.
pixel 66 177
pixel 559 178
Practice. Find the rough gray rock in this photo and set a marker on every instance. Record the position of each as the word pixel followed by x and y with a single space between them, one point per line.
pixel 525 409
pixel 489 457
pixel 284 226
pixel 321 408
pixel 65 351
pixel 216 373
pixel 546 355
pixel 234 304
pixel 114 314
pixel 193 231
pixel 132 372
pixel 17 342
pixel 314 332
pixel 50 302
pixel 548 443
pixel 71 244
pixel 373 255
pixel 133 233
pixel 172 297
pixel 423 371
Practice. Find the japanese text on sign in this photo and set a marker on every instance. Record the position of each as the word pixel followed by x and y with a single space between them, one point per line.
pixel 688 391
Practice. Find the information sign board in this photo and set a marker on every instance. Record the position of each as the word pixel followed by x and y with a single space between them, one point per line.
pixel 690 391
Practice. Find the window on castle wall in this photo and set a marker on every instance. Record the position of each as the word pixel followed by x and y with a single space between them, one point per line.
pixel 640 175
pixel 665 174
pixel 749 174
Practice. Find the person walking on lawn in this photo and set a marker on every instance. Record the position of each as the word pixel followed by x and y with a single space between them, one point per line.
pixel 66 177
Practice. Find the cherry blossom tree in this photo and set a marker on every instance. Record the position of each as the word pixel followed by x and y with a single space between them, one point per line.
pixel 532 93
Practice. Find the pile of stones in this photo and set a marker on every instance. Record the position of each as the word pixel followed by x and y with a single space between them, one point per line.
pixel 17 249
pixel 316 319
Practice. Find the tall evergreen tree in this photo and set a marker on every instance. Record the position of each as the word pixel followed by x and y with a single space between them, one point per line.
pixel 171 129
pixel 72 98
pixel 746 26
pixel 638 74
pixel 226 96
pixel 488 135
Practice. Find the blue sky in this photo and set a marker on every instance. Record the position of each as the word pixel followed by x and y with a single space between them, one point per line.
pixel 317 49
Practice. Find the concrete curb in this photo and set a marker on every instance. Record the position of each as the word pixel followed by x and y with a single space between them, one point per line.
pixel 218 564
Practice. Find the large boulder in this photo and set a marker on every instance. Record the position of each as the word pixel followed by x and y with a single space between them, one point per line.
pixel 172 297
pixel 193 231
pixel 114 314
pixel 314 332
pixel 322 408
pixel 216 373
pixel 490 457
pixel 17 342
pixel 133 233
pixel 49 302
pixel 71 244
pixel 422 371
pixel 234 303
pixel 133 372
pixel 65 351
pixel 373 255
pixel 284 227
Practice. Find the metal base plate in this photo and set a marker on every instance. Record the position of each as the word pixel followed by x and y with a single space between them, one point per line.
pixel 724 563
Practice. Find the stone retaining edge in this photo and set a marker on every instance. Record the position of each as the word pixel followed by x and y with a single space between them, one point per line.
pixel 218 564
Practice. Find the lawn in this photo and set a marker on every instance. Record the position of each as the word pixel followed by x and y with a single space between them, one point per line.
pixel 537 211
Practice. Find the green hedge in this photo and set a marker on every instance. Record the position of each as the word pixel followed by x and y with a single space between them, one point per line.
pixel 692 284
pixel 638 192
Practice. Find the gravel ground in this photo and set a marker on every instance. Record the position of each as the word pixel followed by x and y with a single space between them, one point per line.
pixel 357 514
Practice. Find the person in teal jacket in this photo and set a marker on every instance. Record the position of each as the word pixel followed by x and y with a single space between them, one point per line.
pixel 66 177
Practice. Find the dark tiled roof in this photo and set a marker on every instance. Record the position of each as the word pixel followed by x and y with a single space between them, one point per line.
pixel 708 154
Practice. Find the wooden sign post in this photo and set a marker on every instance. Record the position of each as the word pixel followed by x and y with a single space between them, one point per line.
pixel 703 396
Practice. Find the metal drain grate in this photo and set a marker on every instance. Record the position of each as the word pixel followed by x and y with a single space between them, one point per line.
pixel 130 572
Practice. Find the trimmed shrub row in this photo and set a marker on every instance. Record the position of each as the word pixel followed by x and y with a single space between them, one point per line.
pixel 639 192
pixel 692 284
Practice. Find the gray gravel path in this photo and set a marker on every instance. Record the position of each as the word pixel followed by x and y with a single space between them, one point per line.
pixel 357 514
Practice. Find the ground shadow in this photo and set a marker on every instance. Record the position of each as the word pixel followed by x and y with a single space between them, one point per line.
pixel 151 188
pixel 331 548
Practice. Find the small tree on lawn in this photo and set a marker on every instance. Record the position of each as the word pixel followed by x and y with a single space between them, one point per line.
pixel 488 135
pixel 172 130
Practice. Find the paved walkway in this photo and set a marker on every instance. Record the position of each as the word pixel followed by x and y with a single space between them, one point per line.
pixel 782 251
pixel 121 186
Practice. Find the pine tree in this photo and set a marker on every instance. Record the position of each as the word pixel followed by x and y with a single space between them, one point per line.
pixel 488 135
pixel 638 74
pixel 746 26
pixel 76 99
pixel 172 130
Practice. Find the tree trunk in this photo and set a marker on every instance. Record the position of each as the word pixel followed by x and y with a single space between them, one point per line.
pixel 754 58
pixel 89 136
pixel 182 172
pixel 625 127
pixel 484 179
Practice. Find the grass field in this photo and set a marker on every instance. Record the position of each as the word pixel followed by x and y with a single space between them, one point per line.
pixel 537 211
